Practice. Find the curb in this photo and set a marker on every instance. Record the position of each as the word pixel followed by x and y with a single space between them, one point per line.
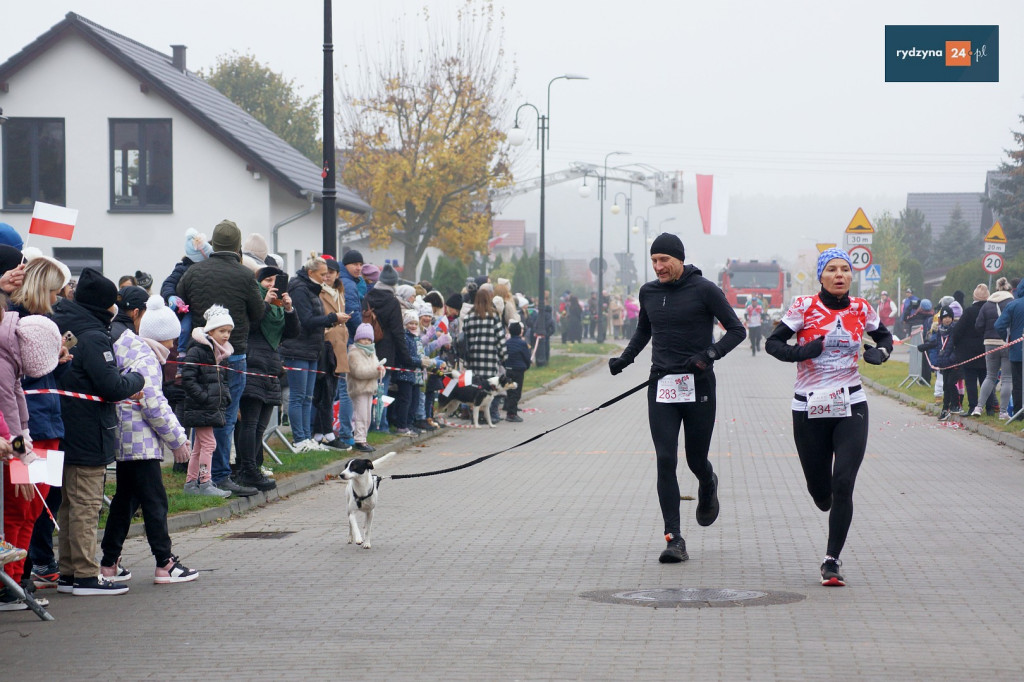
pixel 999 437
pixel 293 484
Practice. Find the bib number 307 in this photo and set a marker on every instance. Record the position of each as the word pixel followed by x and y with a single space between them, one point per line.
pixel 676 388
pixel 828 403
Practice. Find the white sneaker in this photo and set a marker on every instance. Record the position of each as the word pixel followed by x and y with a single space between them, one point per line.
pixel 267 471
pixel 1004 416
pixel 976 412
pixel 303 445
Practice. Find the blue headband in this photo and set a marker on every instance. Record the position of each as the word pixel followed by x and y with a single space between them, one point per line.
pixel 830 254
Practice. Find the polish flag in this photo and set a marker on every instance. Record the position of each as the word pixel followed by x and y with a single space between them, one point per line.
pixel 442 325
pixel 455 380
pixel 53 221
pixel 713 202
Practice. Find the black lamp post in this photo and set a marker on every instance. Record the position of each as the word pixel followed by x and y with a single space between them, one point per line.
pixel 516 137
pixel 330 192
pixel 615 209
pixel 602 190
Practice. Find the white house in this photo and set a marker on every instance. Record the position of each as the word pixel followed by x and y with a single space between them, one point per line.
pixel 144 149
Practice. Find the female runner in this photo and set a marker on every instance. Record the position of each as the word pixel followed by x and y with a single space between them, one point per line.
pixel 830 410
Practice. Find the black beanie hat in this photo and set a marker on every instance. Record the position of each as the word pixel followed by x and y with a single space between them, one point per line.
pixel 95 290
pixel 454 301
pixel 132 298
pixel 10 258
pixel 268 271
pixel 668 244
pixel 352 256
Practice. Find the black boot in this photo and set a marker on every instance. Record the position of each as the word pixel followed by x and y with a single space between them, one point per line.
pixel 254 478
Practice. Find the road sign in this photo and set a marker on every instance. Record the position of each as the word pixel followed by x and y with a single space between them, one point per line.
pixel 860 224
pixel 801 276
pixel 992 262
pixel 995 239
pixel 822 246
pixel 860 257
pixel 996 234
pixel 855 239
pixel 873 273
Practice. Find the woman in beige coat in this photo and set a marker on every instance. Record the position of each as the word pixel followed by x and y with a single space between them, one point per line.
pixel 330 386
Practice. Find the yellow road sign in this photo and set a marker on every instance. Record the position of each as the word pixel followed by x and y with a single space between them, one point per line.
pixel 996 234
pixel 860 224
pixel 824 247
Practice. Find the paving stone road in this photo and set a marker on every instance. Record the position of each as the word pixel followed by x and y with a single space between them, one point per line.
pixel 482 574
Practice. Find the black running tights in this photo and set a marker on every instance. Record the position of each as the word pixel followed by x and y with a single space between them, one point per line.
pixel 698 422
pixel 831 451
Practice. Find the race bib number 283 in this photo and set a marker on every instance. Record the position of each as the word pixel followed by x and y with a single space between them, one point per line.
pixel 676 388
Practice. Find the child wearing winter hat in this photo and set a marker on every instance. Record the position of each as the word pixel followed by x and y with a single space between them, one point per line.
pixel 409 380
pixel 197 248
pixel 207 396
pixel 364 372
pixel 144 428
pixel 28 345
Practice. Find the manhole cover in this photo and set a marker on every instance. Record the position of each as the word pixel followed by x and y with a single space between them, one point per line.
pixel 696 597
pixel 259 535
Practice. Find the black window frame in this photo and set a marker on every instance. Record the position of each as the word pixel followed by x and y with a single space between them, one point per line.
pixel 34 161
pixel 144 205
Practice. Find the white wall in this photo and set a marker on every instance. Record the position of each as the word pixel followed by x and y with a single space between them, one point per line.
pixel 76 82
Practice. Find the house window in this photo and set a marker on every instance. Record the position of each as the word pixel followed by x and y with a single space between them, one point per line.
pixel 140 165
pixel 77 258
pixel 33 162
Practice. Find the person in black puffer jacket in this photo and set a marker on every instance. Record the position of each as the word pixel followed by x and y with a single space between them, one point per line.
pixel 302 352
pixel 90 428
pixel 263 386
pixel 969 342
pixel 207 396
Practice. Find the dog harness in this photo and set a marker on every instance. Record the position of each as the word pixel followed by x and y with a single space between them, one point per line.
pixel 359 500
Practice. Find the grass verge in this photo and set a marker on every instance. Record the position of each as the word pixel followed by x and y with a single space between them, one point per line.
pixel 589 348
pixel 893 373
pixel 556 367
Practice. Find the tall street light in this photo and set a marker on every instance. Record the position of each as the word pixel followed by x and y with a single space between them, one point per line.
pixel 615 209
pixel 329 226
pixel 516 137
pixel 602 191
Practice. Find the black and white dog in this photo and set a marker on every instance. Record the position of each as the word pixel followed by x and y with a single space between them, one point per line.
pixel 361 493
pixel 477 396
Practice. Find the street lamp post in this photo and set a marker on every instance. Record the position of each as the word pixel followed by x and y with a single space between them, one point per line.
pixel 602 191
pixel 627 280
pixel 329 226
pixel 516 137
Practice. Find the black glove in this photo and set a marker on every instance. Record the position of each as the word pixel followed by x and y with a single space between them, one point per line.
pixel 616 365
pixel 875 355
pixel 698 362
pixel 810 350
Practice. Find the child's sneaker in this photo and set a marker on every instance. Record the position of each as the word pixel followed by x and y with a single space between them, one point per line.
pixel 116 573
pixel 44 577
pixel 8 602
pixel 174 572
pixel 210 490
pixel 10 553
pixel 830 576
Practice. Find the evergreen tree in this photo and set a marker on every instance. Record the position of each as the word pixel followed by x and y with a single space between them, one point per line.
pixel 426 272
pixel 1006 196
pixel 449 275
pixel 918 234
pixel 526 276
pixel 957 244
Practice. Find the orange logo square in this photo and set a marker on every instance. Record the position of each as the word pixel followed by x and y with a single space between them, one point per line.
pixel 958 53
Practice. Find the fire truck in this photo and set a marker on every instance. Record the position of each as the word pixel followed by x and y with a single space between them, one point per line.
pixel 741 280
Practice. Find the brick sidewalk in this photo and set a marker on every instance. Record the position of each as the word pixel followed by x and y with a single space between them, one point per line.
pixel 479 574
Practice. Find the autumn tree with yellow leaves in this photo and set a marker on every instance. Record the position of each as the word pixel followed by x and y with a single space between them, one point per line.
pixel 425 140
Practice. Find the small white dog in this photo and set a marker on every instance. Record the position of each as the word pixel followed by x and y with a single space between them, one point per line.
pixel 361 493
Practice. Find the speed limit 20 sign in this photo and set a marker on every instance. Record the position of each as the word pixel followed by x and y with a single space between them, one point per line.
pixel 860 257
pixel 992 262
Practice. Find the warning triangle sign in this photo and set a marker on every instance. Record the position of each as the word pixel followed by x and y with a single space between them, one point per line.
pixel 860 224
pixel 996 234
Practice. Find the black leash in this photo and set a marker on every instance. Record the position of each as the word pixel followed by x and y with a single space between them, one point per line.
pixel 529 440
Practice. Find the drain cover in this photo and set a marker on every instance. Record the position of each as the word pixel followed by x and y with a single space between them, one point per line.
pixel 259 535
pixel 695 597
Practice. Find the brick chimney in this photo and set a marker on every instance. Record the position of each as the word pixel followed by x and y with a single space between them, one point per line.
pixel 178 57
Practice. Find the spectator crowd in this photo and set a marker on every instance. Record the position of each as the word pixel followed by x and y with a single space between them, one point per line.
pixel 197 366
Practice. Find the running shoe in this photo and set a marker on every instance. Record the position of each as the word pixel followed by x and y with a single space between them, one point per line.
pixel 944 416
pixel 45 577
pixel 707 502
pixel 675 552
pixel 830 576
